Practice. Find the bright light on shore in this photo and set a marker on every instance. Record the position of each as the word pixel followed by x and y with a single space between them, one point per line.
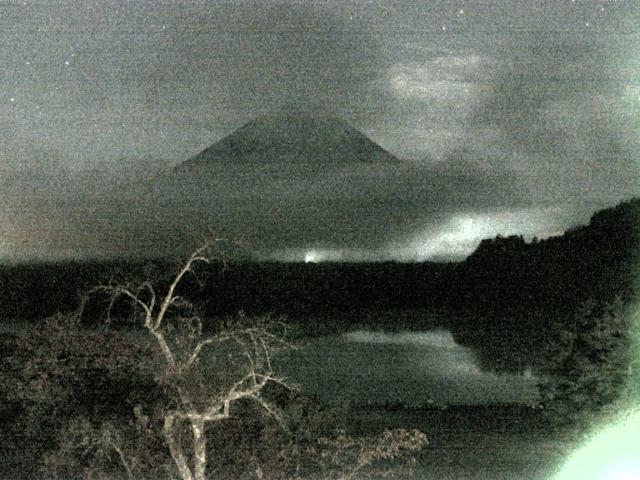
pixel 312 256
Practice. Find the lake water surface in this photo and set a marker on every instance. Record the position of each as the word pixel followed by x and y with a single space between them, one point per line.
pixel 415 368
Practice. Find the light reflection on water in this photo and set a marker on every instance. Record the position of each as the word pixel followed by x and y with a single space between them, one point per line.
pixel 415 368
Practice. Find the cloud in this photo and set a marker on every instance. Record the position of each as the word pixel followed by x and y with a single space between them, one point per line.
pixel 494 121
pixel 351 212
pixel 253 57
pixel 418 105
pixel 558 116
pixel 50 211
pixel 446 81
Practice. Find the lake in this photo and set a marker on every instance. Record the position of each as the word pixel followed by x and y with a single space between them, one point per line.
pixel 413 368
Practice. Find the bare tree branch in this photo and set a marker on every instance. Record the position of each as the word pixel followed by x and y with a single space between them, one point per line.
pixel 271 410
pixel 181 354
pixel 196 351
pixel 123 459
pixel 195 257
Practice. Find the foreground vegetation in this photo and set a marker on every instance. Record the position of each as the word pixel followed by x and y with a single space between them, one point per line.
pixel 164 399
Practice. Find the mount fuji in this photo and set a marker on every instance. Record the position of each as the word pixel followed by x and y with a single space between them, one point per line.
pixel 291 136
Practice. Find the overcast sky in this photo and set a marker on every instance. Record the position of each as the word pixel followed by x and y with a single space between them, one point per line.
pixel 530 110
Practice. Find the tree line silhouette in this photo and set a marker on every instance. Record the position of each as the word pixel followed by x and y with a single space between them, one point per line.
pixel 501 300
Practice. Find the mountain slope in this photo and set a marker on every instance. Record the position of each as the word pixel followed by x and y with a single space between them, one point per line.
pixel 291 136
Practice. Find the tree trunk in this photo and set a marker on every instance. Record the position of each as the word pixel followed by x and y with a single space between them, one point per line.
pixel 199 449
pixel 175 449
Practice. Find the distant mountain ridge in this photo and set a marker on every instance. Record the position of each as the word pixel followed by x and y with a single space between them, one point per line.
pixel 293 135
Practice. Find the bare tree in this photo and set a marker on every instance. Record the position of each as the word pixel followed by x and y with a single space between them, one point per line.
pixel 185 378
pixel 203 395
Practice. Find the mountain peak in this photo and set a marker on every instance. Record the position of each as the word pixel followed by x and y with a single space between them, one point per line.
pixel 295 133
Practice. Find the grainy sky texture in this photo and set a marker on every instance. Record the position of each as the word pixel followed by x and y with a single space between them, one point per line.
pixel 528 111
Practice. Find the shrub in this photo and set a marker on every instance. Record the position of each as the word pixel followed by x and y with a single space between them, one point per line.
pixel 74 384
pixel 586 365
